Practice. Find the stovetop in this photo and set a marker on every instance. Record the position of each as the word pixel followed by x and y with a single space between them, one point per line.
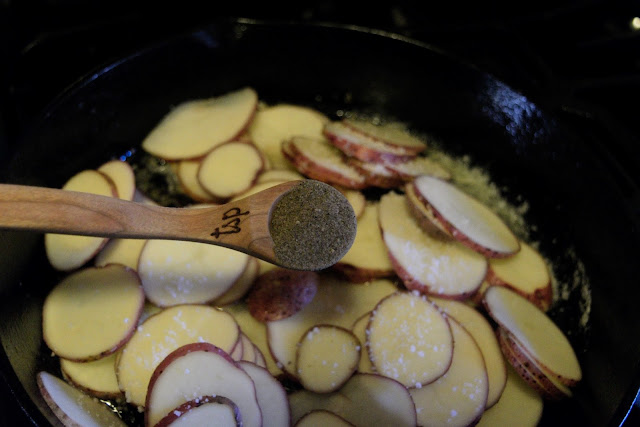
pixel 578 58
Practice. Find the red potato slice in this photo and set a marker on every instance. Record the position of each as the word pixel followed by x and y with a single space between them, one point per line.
pixel 518 405
pixel 272 397
pixel 193 128
pixel 196 370
pixel 394 134
pixel 526 273
pixel 238 350
pixel 279 175
pixel 482 332
pixel 337 302
pixel 424 215
pixel 248 350
pixel 322 418
pixel 359 329
pixel 257 333
pixel 92 313
pixel 281 293
pixel 201 411
pixel 66 252
pixel 97 378
pixel 317 159
pixel 364 400
pixel 72 407
pixel 327 357
pixel 428 264
pixel 365 145
pixel 376 174
pixel 278 123
pixel 242 285
pixel 417 166
pixel 122 175
pixel 219 174
pixel 543 341
pixel 459 397
pixel 120 251
pixel 409 339
pixel 529 370
pixel 187 173
pixel 465 218
pixel 176 272
pixel 260 358
pixel 367 258
pixel 163 333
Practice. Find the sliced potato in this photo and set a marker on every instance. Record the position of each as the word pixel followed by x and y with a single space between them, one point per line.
pixel 248 349
pixel 279 175
pixel 196 370
pixel 482 332
pixel 188 176
pixel 364 400
pixel 367 147
pixel 72 407
pixel 92 312
pixel 317 159
pixel 123 177
pixel 327 356
pixel 277 123
pixel 409 339
pixel 359 329
pixel 121 251
pixel 175 272
pixel 337 302
pixel 465 218
pixel 66 252
pixel 219 174
pixel 322 418
pixel 272 397
pixel 535 331
pixel 539 378
pixel 425 263
pixel 242 284
pixel 417 166
pixel 393 134
pixel 526 273
pixel 376 174
pixel 163 333
pixel 201 411
pixel 367 258
pixel 519 404
pixel 193 128
pixel 257 333
pixel 459 397
pixel 97 378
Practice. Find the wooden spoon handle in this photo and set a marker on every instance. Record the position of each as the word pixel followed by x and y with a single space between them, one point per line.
pixel 69 212
pixel 242 225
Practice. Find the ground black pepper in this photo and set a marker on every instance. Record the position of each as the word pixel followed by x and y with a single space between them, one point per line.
pixel 312 226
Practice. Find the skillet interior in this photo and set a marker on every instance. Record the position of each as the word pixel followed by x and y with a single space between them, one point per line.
pixel 583 213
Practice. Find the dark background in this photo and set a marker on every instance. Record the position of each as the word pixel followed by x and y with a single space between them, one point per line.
pixel 578 58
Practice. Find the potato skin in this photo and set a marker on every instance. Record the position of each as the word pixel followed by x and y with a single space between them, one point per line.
pixel 281 293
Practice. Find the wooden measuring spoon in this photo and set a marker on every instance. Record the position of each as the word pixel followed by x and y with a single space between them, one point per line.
pixel 301 225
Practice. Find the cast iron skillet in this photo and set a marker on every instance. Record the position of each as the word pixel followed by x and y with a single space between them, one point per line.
pixel 584 211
